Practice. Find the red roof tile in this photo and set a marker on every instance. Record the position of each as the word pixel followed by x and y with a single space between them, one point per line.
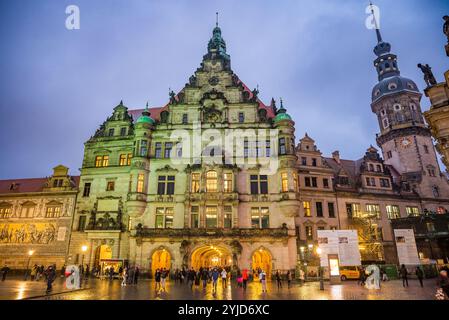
pixel 27 185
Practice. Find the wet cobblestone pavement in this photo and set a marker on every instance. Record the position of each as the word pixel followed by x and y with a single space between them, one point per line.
pixel 105 290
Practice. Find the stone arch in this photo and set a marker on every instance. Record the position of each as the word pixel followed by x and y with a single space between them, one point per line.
pixel 210 255
pixel 262 258
pixel 160 257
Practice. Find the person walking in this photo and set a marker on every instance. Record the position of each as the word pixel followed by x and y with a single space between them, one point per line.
pixel 176 275
pixel 111 273
pixel 420 276
pixel 362 278
pixel 289 279
pixel 124 276
pixel 278 279
pixel 224 277
pixel 204 277
pixel 263 280
pixel 136 275
pixel 214 276
pixel 5 271
pixel 62 275
pixel 157 279
pixel 164 275
pixel 51 275
pixel 404 275
pixel 244 278
pixel 191 277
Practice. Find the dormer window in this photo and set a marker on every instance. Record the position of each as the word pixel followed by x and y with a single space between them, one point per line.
pixel 382 112
pixel 397 107
pixel 392 86
pixel 377 92
pixel 378 168
pixel 111 132
pixel 410 85
pixel 123 131
pixel 385 123
pixel 413 107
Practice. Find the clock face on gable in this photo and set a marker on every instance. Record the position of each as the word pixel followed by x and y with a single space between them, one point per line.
pixel 406 142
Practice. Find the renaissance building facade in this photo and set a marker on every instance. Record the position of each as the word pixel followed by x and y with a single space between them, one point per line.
pixel 215 177
pixel 36 218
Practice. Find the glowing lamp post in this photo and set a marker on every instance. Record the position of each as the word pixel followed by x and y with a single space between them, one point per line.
pixel 30 253
pixel 318 251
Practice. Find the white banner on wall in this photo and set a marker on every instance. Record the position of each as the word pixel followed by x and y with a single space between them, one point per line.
pixel 345 243
pixel 61 233
pixel 406 246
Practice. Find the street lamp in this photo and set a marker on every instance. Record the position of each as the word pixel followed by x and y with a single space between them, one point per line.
pixel 83 249
pixel 318 251
pixel 30 253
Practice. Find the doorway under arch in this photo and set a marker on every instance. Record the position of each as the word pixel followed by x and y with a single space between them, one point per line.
pixel 262 260
pixel 209 256
pixel 103 252
pixel 160 259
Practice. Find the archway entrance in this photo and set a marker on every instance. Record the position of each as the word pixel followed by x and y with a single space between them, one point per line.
pixel 209 256
pixel 160 259
pixel 103 252
pixel 261 260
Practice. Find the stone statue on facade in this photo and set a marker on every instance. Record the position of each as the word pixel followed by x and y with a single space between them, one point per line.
pixel 446 27
pixel 428 74
pixel 446 32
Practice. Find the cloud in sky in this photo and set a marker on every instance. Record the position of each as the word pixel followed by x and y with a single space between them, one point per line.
pixel 57 86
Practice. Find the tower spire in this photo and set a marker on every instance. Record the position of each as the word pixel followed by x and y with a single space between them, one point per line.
pixel 379 36
pixel 216 22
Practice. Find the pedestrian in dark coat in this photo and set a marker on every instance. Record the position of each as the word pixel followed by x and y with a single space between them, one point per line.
pixel 420 275
pixel 51 275
pixel 136 274
pixel 404 276
pixel 5 271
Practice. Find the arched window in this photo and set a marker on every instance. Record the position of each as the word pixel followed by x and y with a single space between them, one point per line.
pixel 211 181
pixel 27 210
pixel 5 210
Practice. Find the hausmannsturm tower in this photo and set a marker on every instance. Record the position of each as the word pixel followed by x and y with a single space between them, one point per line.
pixel 404 138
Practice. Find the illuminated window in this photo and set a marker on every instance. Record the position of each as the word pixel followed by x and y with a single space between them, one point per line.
pixel 227 182
pixel 306 206
pixel 5 211
pixel 164 218
pixel 393 212
pixel 122 161
pixel 110 186
pixel 194 217
pixel 284 179
pixel 227 219
pixel 373 210
pixel 260 218
pixel 53 212
pixel 195 186
pixel 412 211
pixel 101 161
pixel 295 181
pixel 128 159
pixel 211 217
pixel 353 210
pixel 140 182
pixel 211 181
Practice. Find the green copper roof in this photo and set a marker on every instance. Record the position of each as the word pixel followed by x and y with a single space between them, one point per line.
pixel 145 117
pixel 282 116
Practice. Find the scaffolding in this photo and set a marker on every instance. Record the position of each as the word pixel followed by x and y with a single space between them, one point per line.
pixel 370 239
